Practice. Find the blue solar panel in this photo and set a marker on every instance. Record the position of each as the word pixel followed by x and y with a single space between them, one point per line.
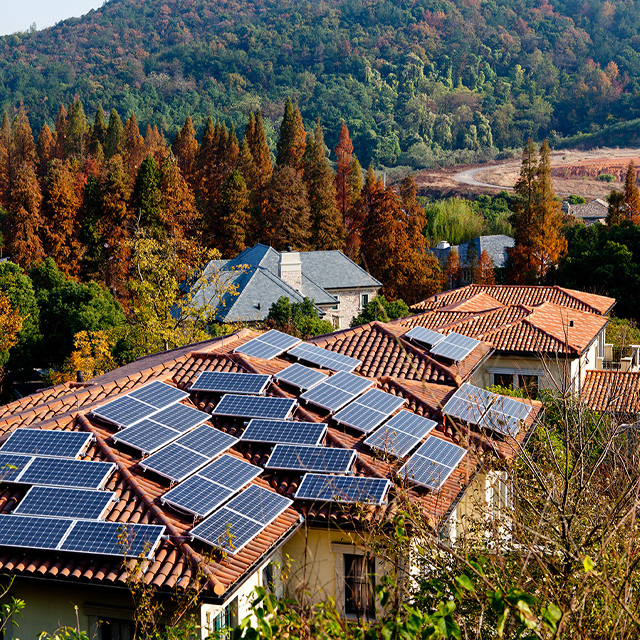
pixel 55 472
pixel 284 431
pixel 146 436
pixel 348 489
pixel 335 392
pixel 254 407
pixel 432 463
pixel 12 465
pixel 369 410
pixel 268 345
pixel 259 504
pixel 180 417
pixel 455 347
pixel 230 382
pixel 424 336
pixel 61 502
pixel 401 434
pixel 158 394
pixel 207 441
pixel 324 358
pixel 306 458
pixel 124 411
pixel 61 444
pixel 32 533
pixel 301 377
pixel 230 472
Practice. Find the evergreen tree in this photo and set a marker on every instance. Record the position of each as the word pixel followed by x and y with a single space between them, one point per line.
pixel 114 139
pixel 344 157
pixel 98 132
pixel 91 233
pixel 61 133
pixel 76 131
pixel 327 227
pixel 234 216
pixel 134 151
pixel 45 148
pixel 263 168
pixel 155 145
pixel 147 197
pixel 616 211
pixel 22 150
pixel 60 218
pixel 286 220
pixel 5 145
pixel 291 143
pixel 185 149
pixel 632 195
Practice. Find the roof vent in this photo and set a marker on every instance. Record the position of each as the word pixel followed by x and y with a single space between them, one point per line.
pixel 571 323
pixel 443 244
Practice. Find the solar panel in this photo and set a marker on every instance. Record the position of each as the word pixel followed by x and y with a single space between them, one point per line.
pixel 469 403
pixel 369 410
pixel 433 463
pixel 455 347
pixel 32 533
pixel 180 417
pixel 230 472
pixel 401 434
pixel 124 411
pixel 113 538
pixel 189 453
pixel 284 432
pixel 146 436
pixel 511 407
pixel 55 472
pixel 324 358
pixel 301 377
pixel 348 489
pixel 268 345
pixel 424 336
pixel 505 415
pixel 228 382
pixel 12 465
pixel 61 444
pixel 198 496
pixel 337 391
pixel 480 396
pixel 291 457
pixel 158 394
pixel 254 407
pixel 65 503
pixel 231 527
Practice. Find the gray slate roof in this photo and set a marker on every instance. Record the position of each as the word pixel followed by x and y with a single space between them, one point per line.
pixel 590 212
pixel 255 274
pixel 496 246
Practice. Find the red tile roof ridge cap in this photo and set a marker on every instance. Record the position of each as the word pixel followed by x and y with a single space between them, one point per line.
pixel 508 325
pixel 245 362
pixel 333 336
pixel 453 306
pixel 567 313
pixel 400 383
pixel 187 550
pixel 475 315
pixel 225 340
pixel 572 294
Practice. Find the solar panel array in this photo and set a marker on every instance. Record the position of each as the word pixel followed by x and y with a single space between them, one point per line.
pixel 151 434
pixel 369 410
pixel 486 409
pixel 324 358
pixel 301 377
pixel 268 345
pixel 60 444
pixel 62 502
pixel 87 536
pixel 290 457
pixel 230 382
pixel 337 391
pixel 347 489
pixel 432 463
pixel 203 492
pixel 54 472
pixel 455 347
pixel 424 336
pixel 239 406
pixel 189 453
pixel 401 434
pixel 133 407
pixel 284 431
pixel 234 525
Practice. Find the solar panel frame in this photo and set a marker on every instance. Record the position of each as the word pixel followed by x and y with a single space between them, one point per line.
pixel 284 432
pixel 268 345
pixel 411 423
pixel 344 489
pixel 424 336
pixel 501 423
pixel 369 410
pixel 512 407
pixel 259 504
pixel 231 382
pixel 324 358
pixel 65 502
pixel 229 471
pixel 301 377
pixel 207 441
pixel 158 395
pixel 464 410
pixel 50 443
pixel 240 406
pixel 53 472
pixel 455 347
pixel 288 457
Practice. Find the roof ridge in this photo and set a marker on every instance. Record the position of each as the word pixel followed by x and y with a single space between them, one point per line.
pixel 187 550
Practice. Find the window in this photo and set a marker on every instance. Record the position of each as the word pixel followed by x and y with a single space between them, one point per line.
pixel 337 297
pixel 268 578
pixel 227 618
pixel 364 300
pixel 359 581
pixel 503 380
pixel 115 629
pixel 529 383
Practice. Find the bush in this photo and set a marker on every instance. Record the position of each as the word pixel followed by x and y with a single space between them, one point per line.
pixel 606 177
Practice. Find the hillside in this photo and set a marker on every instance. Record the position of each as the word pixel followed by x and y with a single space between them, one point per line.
pixel 411 78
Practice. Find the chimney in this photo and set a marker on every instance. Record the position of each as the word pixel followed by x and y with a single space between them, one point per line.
pixel 290 269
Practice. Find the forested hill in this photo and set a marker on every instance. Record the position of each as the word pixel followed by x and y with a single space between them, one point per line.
pixel 410 77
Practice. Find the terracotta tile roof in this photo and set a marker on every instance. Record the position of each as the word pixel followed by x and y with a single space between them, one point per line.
pixel 617 392
pixel 521 294
pixel 386 359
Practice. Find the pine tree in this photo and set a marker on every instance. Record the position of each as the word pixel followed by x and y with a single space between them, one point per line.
pixel 358 213
pixel 134 151
pixel 76 131
pixel 291 142
pixel 327 227
pixel 22 150
pixel 5 145
pixel 286 220
pixel 60 218
pixel 234 216
pixel 98 132
pixel 155 145
pixel 61 134
pixel 263 168
pixel 616 211
pixel 185 149
pixel 45 148
pixel 344 157
pixel 147 197
pixel 204 164
pixel 632 195
pixel 114 140
pixel 483 273
pixel 414 215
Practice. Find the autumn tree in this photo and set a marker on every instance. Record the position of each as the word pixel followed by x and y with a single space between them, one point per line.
pixel 185 148
pixel 234 215
pixel 616 211
pixel 291 142
pixel 483 272
pixel 358 213
pixel 286 220
pixel 258 173
pixel 155 145
pixel 61 133
pixel 133 144
pixel 45 148
pixel 631 195
pixel 10 325
pixel 451 272
pixel 114 138
pixel 5 145
pixel 344 157
pixel 327 227
pixel 22 149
